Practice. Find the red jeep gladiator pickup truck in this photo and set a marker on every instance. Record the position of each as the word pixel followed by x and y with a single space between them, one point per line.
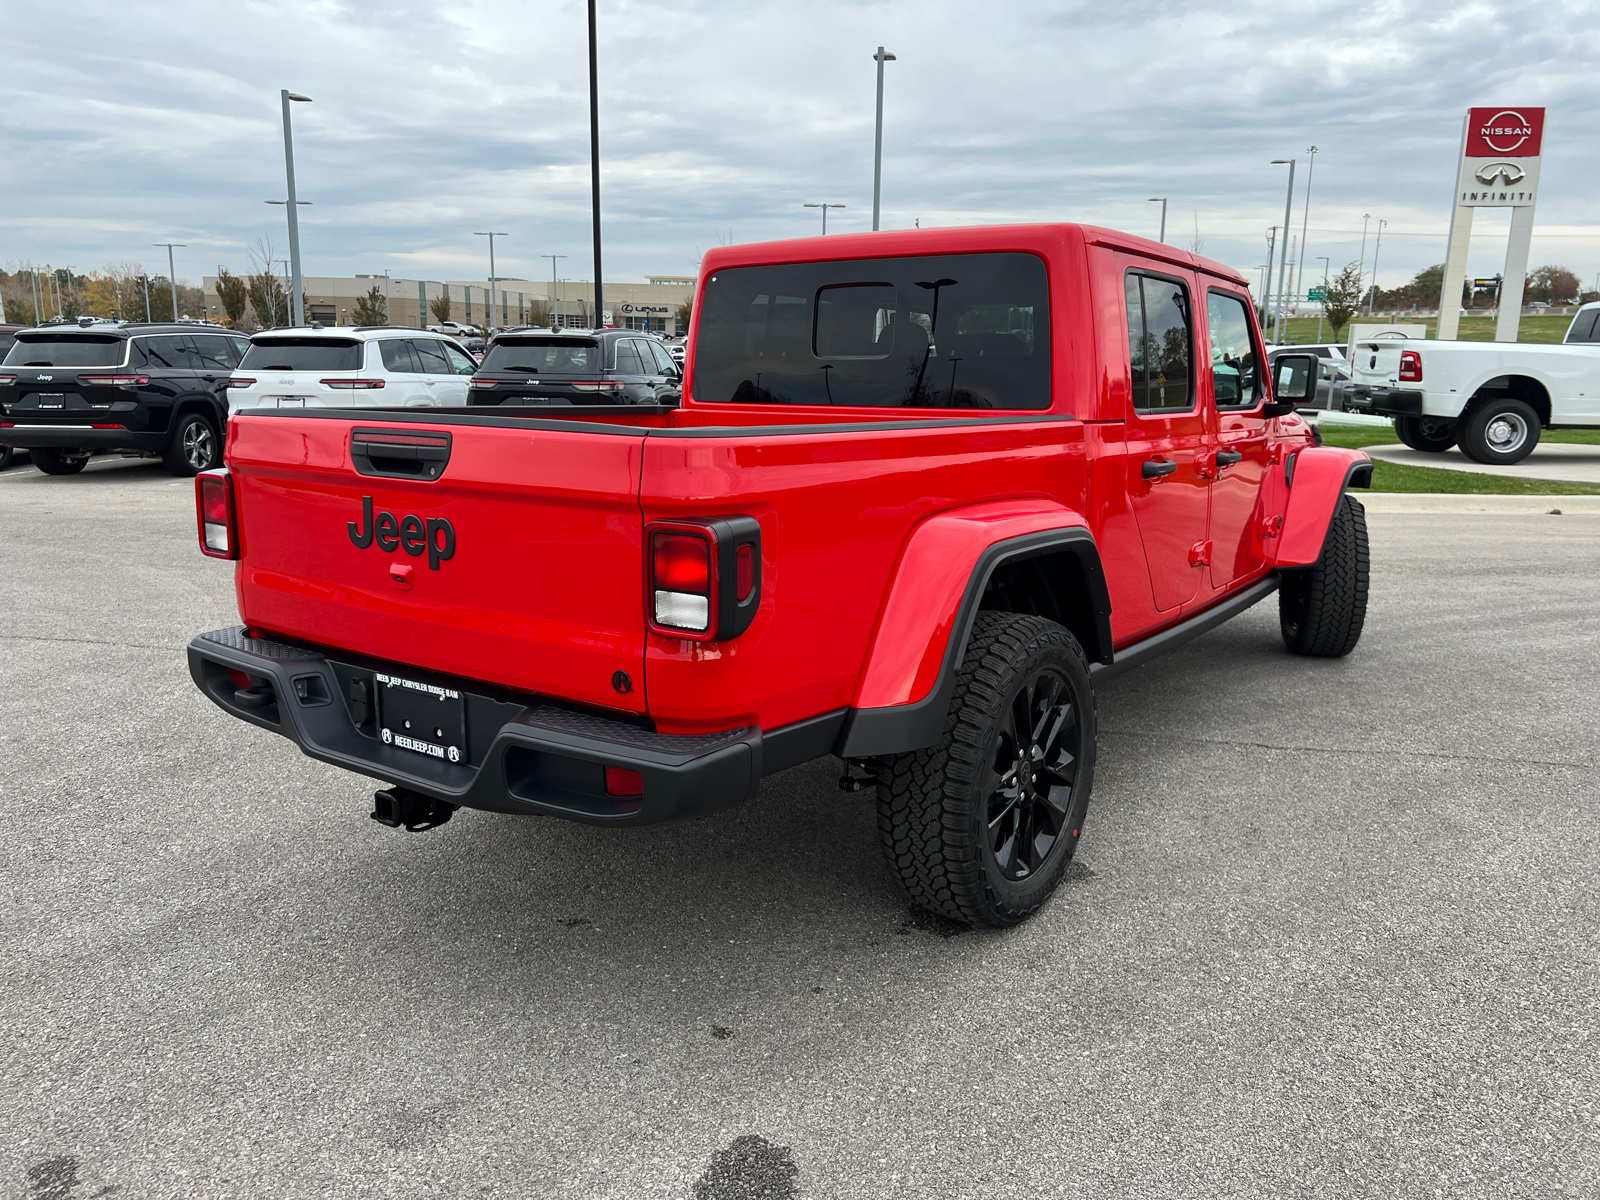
pixel 921 491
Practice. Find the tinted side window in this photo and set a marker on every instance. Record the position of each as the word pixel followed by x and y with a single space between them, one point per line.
pixel 169 352
pixel 1584 327
pixel 397 355
pixel 664 363
pixel 240 345
pixel 931 331
pixel 1235 365
pixel 628 359
pixel 1159 344
pixel 431 352
pixel 216 352
pixel 7 340
pixel 460 361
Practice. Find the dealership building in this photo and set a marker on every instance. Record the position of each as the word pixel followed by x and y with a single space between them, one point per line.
pixel 650 305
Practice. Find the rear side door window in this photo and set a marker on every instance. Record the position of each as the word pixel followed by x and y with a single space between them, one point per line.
pixel 664 363
pixel 1235 358
pixel 628 359
pixel 1160 342
pixel 215 353
pixel 398 357
pixel 430 353
pixel 460 361
pixel 168 352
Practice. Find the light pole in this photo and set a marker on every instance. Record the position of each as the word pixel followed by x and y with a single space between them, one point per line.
pixel 877 145
pixel 145 276
pixel 1283 251
pixel 491 237
pixel 824 208
pixel 555 308
pixel 1361 266
pixel 1324 260
pixel 1305 222
pixel 1163 201
pixel 292 207
pixel 33 278
pixel 172 274
pixel 594 167
pixel 1266 287
pixel 1376 246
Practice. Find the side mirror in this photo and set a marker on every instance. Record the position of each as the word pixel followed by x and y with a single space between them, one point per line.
pixel 1294 383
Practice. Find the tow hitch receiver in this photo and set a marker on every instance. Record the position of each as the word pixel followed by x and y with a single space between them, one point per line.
pixel 399 806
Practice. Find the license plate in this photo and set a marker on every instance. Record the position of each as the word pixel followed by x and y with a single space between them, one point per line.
pixel 422 718
pixel 50 399
pixel 292 401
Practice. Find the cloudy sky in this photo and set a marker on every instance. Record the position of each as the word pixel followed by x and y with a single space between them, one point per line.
pixel 126 123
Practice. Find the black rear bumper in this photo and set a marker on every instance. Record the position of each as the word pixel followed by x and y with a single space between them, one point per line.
pixel 1383 401
pixel 520 757
pixel 75 437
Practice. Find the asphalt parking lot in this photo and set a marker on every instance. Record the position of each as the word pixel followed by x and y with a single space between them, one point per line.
pixel 1333 930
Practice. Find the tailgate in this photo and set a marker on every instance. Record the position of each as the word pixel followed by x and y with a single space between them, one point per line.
pixel 1377 363
pixel 519 564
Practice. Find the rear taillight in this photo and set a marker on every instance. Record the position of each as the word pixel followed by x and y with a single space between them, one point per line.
pixel 705 577
pixel 351 384
pixel 1410 366
pixel 213 497
pixel 596 385
pixel 7 380
pixel 483 383
pixel 240 381
pixel 115 380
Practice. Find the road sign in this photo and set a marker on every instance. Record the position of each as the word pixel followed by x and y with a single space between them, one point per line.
pixel 1317 293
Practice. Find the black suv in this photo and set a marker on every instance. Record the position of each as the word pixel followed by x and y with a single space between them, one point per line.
pixel 67 392
pixel 602 366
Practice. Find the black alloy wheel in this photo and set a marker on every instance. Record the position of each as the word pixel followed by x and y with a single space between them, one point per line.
pixel 194 446
pixel 981 826
pixel 1035 768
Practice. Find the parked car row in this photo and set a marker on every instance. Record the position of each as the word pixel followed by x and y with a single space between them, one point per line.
pixel 167 390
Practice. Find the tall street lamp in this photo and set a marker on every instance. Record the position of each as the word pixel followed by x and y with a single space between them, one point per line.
pixel 1283 250
pixel 1305 222
pixel 1376 246
pixel 1163 201
pixel 824 208
pixel 292 207
pixel 1361 266
pixel 1324 260
pixel 555 307
pixel 877 145
pixel 172 275
pixel 491 237
pixel 594 167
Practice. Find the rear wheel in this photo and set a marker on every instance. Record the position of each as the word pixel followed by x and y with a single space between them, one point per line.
pixel 1499 432
pixel 194 446
pixel 1432 434
pixel 6 455
pixel 55 461
pixel 980 827
pixel 1321 609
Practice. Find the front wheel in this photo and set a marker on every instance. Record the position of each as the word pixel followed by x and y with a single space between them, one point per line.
pixel 1426 433
pixel 980 827
pixel 194 446
pixel 54 461
pixel 1322 608
pixel 1499 432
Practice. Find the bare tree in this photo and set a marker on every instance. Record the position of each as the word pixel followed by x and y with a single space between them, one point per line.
pixel 267 295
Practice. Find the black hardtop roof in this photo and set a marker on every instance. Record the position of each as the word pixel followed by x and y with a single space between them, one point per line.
pixel 127 329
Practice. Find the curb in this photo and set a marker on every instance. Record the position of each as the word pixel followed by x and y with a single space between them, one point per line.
pixel 1430 502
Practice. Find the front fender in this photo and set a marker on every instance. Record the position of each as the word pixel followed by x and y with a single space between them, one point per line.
pixel 1318 476
pixel 934 596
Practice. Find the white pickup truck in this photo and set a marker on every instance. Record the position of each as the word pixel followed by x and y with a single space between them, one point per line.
pixel 1490 398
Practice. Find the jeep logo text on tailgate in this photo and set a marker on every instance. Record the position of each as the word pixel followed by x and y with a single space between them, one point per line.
pixel 410 533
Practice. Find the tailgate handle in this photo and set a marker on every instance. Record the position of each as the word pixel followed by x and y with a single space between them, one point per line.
pixel 399 454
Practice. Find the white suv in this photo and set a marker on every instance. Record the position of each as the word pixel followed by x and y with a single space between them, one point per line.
pixel 365 367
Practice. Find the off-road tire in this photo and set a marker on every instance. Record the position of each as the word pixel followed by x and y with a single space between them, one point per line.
pixel 1322 608
pixel 52 462
pixel 934 805
pixel 1431 434
pixel 194 447
pixel 1481 432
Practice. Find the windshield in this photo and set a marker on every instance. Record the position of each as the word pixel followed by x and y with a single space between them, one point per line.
pixel 302 354
pixel 51 350
pixel 543 355
pixel 945 331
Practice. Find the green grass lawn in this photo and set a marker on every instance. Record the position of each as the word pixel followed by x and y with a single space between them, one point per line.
pixel 1399 477
pixel 1546 329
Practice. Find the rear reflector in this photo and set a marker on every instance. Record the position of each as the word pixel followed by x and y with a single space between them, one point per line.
pixel 745 571
pixel 213 492
pixel 620 781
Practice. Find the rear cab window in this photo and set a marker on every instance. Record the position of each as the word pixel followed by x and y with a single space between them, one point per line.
pixel 52 350
pixel 934 331
pixel 303 354
pixel 1584 327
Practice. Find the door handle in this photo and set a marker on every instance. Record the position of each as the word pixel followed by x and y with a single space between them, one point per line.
pixel 209 378
pixel 1157 467
pixel 1226 458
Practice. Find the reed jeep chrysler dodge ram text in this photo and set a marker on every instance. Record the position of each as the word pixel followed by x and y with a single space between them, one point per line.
pixel 922 489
